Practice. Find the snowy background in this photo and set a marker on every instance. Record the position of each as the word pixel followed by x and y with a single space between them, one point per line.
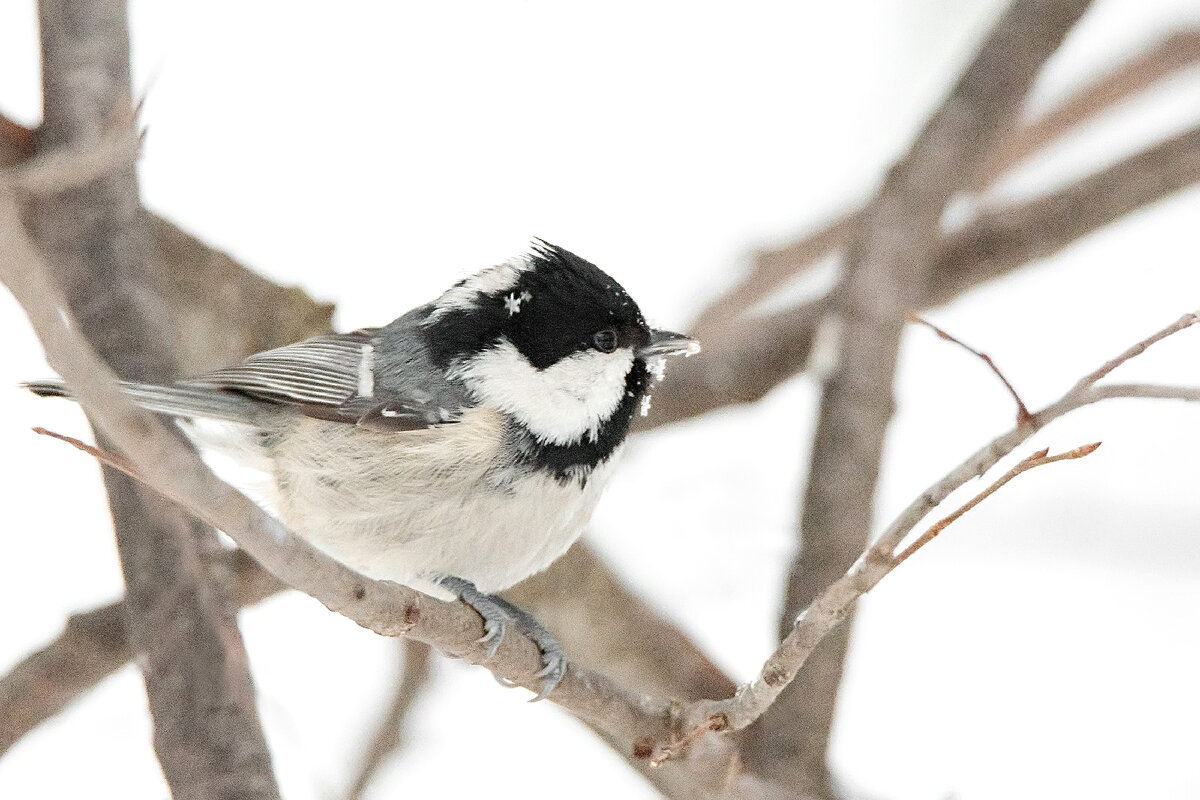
pixel 1048 646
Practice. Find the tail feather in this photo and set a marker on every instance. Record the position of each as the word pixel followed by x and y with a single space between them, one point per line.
pixel 175 401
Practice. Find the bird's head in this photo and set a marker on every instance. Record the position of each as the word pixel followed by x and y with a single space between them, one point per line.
pixel 555 343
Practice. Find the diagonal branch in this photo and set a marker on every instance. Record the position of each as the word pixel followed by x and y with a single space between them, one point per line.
pixel 772 267
pixel 92 646
pixel 746 358
pixel 650 729
pixel 833 604
pixel 889 261
pixel 83 206
pixel 175 472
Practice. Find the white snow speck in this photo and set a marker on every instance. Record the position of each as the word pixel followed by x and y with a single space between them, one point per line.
pixel 658 368
pixel 645 405
pixel 512 303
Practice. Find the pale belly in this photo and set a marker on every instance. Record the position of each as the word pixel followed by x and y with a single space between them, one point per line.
pixel 425 504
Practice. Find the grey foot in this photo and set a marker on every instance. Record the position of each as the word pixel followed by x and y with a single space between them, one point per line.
pixel 497 613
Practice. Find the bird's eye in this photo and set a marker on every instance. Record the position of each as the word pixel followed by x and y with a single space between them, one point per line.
pixel 605 340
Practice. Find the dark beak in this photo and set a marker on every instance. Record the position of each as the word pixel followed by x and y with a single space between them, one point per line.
pixel 666 343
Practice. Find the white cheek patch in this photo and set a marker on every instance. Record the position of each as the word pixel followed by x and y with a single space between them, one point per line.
pixel 560 404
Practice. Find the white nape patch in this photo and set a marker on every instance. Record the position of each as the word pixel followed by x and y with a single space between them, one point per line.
pixel 657 367
pixel 559 404
pixel 366 372
pixel 493 280
pixel 512 303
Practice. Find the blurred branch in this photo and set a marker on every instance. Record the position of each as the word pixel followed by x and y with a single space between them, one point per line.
pixel 174 471
pixel 749 356
pixel 414 674
pixel 82 204
pixel 889 260
pixel 772 267
pixel 92 646
pixel 652 731
pixel 1141 73
pixel 833 604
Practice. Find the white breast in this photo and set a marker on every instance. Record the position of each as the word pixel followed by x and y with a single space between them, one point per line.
pixel 424 504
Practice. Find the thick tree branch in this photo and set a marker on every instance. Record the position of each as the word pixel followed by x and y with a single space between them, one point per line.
pixel 747 357
pixel 174 471
pixel 772 267
pixel 652 730
pixel 92 646
pixel 889 260
pixel 179 617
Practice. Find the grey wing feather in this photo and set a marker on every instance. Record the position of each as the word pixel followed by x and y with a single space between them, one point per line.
pixel 349 378
pixel 324 370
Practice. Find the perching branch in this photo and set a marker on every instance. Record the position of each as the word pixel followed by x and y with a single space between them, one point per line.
pixel 831 605
pixel 174 471
pixel 82 204
pixel 653 730
pixel 889 262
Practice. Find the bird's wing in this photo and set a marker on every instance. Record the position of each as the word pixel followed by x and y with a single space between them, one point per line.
pixel 330 377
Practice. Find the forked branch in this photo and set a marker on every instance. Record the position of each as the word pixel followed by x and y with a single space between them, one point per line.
pixel 655 729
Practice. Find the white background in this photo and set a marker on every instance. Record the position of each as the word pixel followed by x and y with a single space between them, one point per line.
pixel 1045 647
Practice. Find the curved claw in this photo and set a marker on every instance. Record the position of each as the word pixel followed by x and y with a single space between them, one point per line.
pixel 552 673
pixel 493 631
pixel 497 613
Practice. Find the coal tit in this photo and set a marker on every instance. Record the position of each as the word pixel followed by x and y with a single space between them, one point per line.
pixel 457 450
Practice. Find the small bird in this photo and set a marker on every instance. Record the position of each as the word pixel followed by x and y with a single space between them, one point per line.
pixel 457 450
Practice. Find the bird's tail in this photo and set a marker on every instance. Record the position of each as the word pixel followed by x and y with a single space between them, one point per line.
pixel 175 401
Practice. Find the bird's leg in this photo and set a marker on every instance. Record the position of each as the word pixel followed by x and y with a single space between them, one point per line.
pixel 497 613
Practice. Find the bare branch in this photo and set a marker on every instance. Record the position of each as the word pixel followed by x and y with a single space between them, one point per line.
pixel 1170 56
pixel 1038 459
pixel 175 472
pixel 833 604
pixel 1023 415
pixel 92 646
pixel 889 261
pixel 747 357
pixel 772 267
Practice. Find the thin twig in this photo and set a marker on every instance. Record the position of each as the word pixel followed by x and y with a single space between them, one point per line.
pixel 831 605
pixel 1186 321
pixel 1023 415
pixel 1038 459
pixel 104 457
